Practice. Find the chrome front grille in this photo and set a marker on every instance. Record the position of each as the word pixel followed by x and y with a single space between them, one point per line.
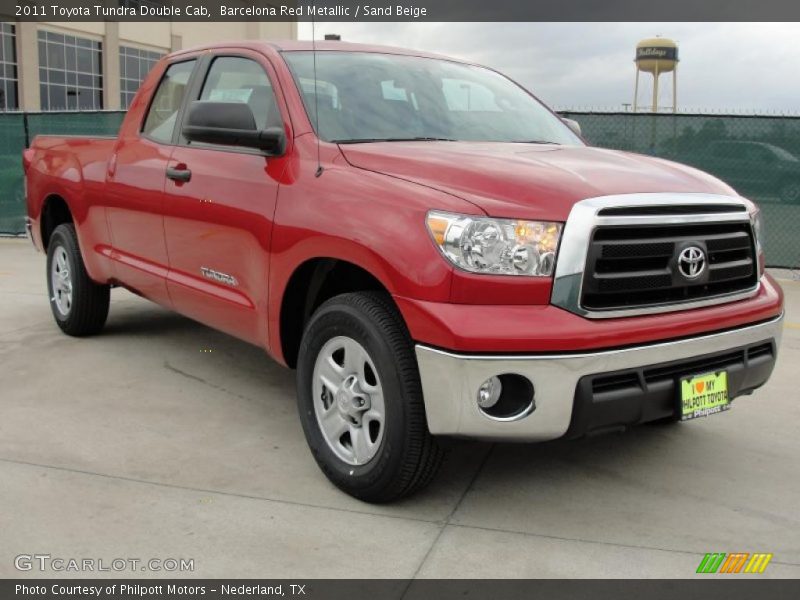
pixel 634 266
pixel 632 254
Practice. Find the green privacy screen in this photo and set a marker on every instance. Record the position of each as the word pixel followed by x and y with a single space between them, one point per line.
pixel 16 130
pixel 74 123
pixel 12 199
pixel 757 155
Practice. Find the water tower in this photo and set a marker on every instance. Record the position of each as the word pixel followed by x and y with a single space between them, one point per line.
pixel 657 56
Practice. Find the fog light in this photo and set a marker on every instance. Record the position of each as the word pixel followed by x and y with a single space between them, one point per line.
pixel 506 397
pixel 489 392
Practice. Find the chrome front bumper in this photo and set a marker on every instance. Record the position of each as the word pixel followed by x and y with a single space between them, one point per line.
pixel 450 381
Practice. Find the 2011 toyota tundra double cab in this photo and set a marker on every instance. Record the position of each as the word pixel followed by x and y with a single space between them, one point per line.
pixel 432 249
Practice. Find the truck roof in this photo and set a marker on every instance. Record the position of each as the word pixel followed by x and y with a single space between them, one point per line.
pixel 320 46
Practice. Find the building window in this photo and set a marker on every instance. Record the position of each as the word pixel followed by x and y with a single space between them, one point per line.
pixel 134 65
pixel 70 72
pixel 8 68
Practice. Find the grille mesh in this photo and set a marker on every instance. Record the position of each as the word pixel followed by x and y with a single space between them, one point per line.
pixel 637 266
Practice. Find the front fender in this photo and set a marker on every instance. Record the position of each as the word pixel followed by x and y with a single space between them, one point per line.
pixel 370 220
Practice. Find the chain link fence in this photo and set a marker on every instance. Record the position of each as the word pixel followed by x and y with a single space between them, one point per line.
pixel 16 132
pixel 757 155
pixel 12 195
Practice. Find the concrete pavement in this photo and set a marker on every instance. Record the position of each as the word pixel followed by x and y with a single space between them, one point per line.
pixel 162 438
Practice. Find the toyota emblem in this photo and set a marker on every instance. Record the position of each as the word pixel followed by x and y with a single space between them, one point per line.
pixel 692 262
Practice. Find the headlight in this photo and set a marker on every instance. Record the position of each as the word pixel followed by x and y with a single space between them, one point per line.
pixel 496 246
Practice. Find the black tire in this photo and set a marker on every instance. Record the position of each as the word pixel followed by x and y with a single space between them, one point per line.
pixel 408 456
pixel 88 309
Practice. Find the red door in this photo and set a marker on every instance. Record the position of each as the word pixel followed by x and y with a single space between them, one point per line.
pixel 135 190
pixel 219 207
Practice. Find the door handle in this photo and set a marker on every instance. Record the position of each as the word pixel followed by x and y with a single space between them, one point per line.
pixel 179 174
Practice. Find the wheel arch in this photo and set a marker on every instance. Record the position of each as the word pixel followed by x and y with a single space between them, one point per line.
pixel 55 211
pixel 312 283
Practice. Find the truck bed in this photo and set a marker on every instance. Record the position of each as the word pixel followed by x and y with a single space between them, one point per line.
pixel 67 166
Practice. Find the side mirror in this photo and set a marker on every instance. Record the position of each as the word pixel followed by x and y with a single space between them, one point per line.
pixel 231 124
pixel 572 124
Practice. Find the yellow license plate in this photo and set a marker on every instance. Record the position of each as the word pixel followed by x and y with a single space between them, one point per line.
pixel 703 395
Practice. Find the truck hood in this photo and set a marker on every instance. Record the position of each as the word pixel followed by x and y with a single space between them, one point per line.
pixel 528 181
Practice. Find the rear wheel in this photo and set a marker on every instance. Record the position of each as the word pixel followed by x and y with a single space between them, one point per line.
pixel 360 400
pixel 79 305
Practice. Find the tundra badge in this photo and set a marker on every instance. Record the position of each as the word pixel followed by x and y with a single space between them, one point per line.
pixel 217 276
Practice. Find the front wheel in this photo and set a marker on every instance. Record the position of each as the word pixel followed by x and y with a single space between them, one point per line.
pixel 79 305
pixel 360 400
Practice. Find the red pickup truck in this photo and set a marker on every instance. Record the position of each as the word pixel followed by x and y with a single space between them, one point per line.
pixel 432 249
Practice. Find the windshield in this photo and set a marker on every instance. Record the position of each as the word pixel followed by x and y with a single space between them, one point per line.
pixel 365 97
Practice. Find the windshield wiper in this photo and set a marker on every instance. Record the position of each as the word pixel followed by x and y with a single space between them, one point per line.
pixel 535 142
pixel 408 139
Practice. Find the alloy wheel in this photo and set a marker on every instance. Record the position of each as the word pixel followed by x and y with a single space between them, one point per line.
pixel 61 279
pixel 348 400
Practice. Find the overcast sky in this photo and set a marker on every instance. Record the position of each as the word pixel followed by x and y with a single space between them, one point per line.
pixel 751 67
